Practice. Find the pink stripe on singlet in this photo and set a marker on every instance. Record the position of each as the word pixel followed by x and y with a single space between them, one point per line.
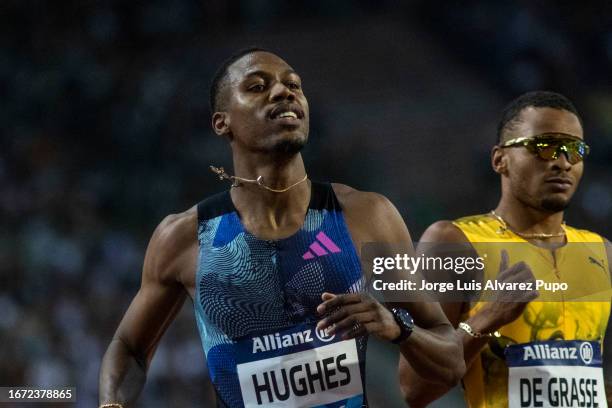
pixel 318 249
pixel 308 255
pixel 327 242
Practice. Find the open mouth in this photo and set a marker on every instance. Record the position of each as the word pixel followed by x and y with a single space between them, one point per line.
pixel 286 112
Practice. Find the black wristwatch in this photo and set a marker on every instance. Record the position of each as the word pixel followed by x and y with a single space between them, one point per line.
pixel 405 323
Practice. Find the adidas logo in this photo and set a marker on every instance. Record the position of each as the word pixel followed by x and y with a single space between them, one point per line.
pixel 322 246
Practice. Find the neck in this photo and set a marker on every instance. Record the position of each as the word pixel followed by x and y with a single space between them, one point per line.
pixel 264 212
pixel 528 220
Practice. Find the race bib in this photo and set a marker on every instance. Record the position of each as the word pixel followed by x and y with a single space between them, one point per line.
pixel 299 367
pixel 555 374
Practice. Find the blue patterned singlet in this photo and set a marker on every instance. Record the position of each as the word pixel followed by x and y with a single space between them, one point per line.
pixel 256 305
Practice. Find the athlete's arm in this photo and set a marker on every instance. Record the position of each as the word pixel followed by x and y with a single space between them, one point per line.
pixel 433 348
pixel 160 297
pixel 417 390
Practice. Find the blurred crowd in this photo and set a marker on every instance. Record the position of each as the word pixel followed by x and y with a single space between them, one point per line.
pixel 521 46
pixel 105 129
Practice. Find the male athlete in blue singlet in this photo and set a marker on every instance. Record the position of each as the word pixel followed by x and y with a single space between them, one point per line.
pixel 273 269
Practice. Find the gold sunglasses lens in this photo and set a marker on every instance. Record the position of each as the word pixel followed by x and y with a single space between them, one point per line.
pixel 573 156
pixel 547 151
pixel 575 151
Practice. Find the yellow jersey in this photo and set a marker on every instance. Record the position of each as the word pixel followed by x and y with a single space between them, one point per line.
pixel 583 266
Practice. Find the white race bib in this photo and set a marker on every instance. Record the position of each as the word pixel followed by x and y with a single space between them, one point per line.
pixel 555 374
pixel 299 367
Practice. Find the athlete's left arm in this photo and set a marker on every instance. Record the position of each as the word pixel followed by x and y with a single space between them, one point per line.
pixel 433 348
pixel 607 346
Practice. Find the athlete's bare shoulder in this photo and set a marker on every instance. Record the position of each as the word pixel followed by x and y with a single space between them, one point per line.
pixel 443 231
pixel 371 215
pixel 171 247
pixel 353 199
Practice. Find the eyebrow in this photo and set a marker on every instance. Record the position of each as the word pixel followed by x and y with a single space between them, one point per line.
pixel 266 74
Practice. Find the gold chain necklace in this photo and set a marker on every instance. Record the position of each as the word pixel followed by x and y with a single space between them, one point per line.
pixel 237 181
pixel 541 235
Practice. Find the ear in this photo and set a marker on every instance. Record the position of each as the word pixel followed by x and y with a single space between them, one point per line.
pixel 221 123
pixel 499 160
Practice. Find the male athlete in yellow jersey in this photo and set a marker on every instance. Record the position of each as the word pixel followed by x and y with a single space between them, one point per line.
pixel 522 350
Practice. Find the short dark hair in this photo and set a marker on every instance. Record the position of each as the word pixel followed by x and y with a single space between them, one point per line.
pixel 221 74
pixel 536 99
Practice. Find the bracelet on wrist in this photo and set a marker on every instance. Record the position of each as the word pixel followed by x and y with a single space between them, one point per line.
pixel 111 405
pixel 477 335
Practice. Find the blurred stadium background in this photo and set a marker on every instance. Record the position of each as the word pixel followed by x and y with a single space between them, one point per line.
pixel 105 129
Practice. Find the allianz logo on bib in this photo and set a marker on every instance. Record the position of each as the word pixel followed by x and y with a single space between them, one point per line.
pixel 276 341
pixel 546 352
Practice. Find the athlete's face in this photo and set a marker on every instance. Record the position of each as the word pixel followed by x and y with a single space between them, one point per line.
pixel 265 110
pixel 542 184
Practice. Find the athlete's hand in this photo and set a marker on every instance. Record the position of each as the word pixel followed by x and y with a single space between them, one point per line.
pixel 510 304
pixel 356 314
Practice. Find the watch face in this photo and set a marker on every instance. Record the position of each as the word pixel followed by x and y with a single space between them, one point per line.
pixel 405 322
pixel 404 317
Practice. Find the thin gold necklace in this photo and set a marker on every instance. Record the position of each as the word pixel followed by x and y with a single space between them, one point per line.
pixel 541 235
pixel 237 181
